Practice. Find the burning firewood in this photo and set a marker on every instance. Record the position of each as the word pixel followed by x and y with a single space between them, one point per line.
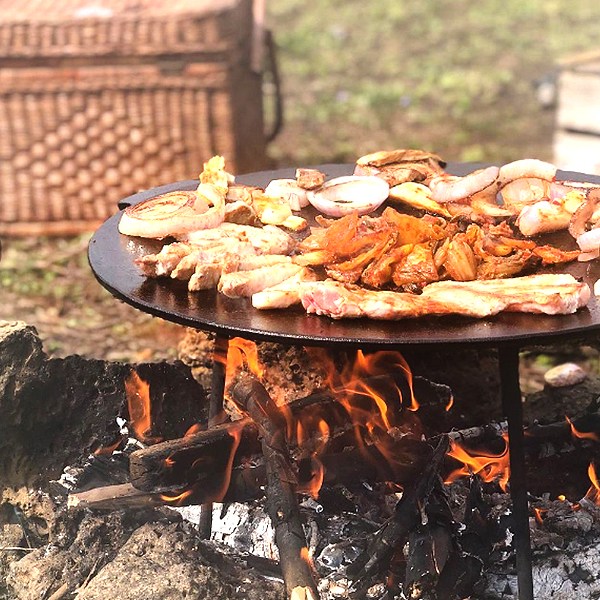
pixel 199 462
pixel 282 503
pixel 406 516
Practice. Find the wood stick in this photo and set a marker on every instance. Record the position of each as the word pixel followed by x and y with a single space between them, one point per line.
pixel 113 497
pixel 405 516
pixel 282 503
pixel 216 415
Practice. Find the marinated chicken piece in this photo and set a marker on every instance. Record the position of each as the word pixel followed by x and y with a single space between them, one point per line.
pixel 387 157
pixel 417 196
pixel 401 166
pixel 242 213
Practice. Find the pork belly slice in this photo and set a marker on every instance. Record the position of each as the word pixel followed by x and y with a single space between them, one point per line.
pixel 346 301
pixel 284 294
pixel 246 283
pixel 248 262
pixel 548 294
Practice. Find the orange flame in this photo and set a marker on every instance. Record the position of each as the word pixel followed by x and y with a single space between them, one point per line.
pixel 195 428
pixel 350 384
pixel 137 392
pixel 107 450
pixel 583 435
pixel 450 403
pixel 178 499
pixel 490 467
pixel 540 514
pixel 242 353
pixel 235 431
pixel 593 494
pixel 305 555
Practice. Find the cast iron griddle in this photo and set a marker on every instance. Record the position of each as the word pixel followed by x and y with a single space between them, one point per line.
pixel 111 257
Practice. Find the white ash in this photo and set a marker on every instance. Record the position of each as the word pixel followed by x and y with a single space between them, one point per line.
pixel 243 527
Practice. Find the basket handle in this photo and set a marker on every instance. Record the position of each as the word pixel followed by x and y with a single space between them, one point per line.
pixel 272 69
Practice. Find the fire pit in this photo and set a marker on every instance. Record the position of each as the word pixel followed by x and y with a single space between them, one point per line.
pixel 111 258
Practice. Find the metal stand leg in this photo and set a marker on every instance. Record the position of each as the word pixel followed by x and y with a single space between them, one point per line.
pixel 216 415
pixel 513 410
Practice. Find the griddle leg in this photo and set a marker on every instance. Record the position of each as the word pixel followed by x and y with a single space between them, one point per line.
pixel 216 415
pixel 513 410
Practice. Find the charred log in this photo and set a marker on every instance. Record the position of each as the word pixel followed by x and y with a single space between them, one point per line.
pixel 430 545
pixel 406 516
pixel 282 502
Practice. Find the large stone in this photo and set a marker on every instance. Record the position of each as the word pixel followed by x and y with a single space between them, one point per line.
pixel 162 562
pixel 55 412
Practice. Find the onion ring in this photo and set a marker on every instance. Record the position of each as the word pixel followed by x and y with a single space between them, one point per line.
pixel 446 189
pixel 174 213
pixel 350 194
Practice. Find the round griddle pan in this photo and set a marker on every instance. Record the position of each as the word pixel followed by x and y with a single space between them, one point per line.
pixel 111 256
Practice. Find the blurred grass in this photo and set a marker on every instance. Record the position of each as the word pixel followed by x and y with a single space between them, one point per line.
pixel 454 77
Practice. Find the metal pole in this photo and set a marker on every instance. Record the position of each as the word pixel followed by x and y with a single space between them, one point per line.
pixel 216 415
pixel 508 358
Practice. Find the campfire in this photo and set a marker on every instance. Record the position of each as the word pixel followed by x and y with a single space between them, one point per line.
pixel 341 474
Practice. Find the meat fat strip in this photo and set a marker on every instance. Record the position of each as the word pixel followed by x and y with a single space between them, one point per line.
pixel 339 301
pixel 248 263
pixel 550 294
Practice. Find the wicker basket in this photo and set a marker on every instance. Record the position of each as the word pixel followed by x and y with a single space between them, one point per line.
pixel 99 103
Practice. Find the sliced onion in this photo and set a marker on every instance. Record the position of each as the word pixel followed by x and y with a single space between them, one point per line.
pixel 526 167
pixel 446 188
pixel 174 213
pixel 352 193
pixel 590 240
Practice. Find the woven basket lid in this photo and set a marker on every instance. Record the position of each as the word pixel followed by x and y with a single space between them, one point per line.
pixel 41 28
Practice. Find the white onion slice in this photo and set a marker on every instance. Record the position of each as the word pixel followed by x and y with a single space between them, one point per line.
pixel 590 240
pixel 174 213
pixel 352 193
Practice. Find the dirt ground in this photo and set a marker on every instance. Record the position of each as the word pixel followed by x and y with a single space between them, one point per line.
pixel 48 283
